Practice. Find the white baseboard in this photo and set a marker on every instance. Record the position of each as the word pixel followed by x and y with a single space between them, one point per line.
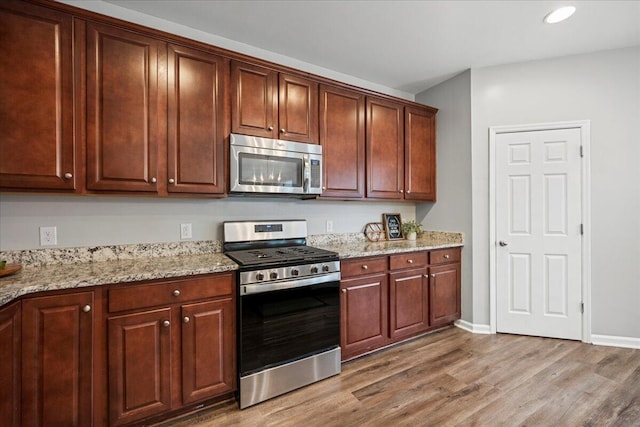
pixel 614 341
pixel 474 328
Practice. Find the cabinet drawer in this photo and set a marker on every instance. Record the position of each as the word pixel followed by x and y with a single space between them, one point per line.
pixel 178 291
pixel 445 255
pixel 360 266
pixel 410 260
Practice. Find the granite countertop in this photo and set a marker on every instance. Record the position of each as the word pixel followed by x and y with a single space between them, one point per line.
pixel 69 268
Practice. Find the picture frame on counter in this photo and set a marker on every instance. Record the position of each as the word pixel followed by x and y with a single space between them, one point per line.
pixel 392 226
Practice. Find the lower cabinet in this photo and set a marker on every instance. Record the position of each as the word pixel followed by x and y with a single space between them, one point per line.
pixel 10 357
pixel 387 299
pixel 57 367
pixel 174 346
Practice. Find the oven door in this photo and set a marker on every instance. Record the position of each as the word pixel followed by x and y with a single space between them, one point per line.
pixel 281 326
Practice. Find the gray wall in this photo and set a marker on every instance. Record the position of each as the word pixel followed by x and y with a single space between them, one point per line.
pixel 602 87
pixel 452 212
pixel 95 221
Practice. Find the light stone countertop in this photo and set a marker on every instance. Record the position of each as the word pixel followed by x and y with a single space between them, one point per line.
pixel 55 269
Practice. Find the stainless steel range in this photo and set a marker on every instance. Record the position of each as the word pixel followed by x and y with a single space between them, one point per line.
pixel 288 308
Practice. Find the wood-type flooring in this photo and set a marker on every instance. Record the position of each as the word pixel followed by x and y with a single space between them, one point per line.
pixel 455 378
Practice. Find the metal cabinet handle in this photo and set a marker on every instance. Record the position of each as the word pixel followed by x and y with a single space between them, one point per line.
pixel 344 291
pixel 166 323
pixel 408 191
pixel 400 191
pixel 86 308
pixel 154 180
pixel 426 276
pixel 410 261
pixel 186 319
pixel 446 256
pixel 502 243
pixel 324 188
pixel 171 180
pixel 270 128
pixel 68 175
pixel 433 276
pixel 282 130
pixel 176 293
pixel 365 267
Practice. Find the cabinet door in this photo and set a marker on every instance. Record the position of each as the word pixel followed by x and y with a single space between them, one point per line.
pixel 139 365
pixel 385 149
pixel 36 98
pixel 444 293
pixel 208 349
pixel 197 83
pixel 57 382
pixel 420 154
pixel 254 100
pixel 298 109
pixel 408 302
pixel 10 355
pixel 363 318
pixel 342 139
pixel 123 109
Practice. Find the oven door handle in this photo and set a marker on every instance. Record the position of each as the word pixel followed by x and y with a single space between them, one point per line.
pixel 289 284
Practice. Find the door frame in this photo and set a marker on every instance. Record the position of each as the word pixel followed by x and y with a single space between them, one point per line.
pixel 585 140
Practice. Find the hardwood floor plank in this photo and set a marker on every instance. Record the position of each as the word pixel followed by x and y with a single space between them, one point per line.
pixel 455 378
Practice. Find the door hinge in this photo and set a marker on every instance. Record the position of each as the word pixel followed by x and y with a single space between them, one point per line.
pixel 581 152
pixel 582 229
pixel 582 307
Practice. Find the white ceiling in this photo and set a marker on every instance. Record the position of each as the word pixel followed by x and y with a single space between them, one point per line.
pixel 406 45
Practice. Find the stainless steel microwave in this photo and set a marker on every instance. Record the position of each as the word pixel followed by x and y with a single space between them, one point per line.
pixel 272 166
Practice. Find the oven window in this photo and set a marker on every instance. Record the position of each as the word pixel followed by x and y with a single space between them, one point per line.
pixel 275 171
pixel 276 327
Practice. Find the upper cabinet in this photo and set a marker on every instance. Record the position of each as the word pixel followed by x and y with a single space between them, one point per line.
pixel 385 149
pixel 197 125
pixel 269 104
pixel 342 136
pixel 36 98
pixel 420 154
pixel 123 109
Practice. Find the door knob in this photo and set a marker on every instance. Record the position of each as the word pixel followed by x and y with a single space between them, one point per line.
pixel 502 243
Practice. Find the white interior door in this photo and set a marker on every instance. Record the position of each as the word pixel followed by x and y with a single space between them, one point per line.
pixel 538 231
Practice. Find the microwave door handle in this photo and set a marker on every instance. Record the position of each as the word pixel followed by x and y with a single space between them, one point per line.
pixel 306 174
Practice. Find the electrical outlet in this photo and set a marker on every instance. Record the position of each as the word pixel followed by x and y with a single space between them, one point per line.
pixel 329 227
pixel 48 236
pixel 185 231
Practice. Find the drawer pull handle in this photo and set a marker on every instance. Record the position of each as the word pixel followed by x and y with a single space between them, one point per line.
pixel 344 291
pixel 166 323
pixel 86 308
pixel 282 130
pixel 446 256
pixel 186 319
pixel 433 276
pixel 410 261
pixel 176 293
pixel 172 181
pixel 68 175
pixel 154 180
pixel 365 267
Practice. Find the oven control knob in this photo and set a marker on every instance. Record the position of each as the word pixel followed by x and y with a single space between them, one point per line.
pixel 314 270
pixel 294 272
pixel 273 275
pixel 325 268
pixel 259 276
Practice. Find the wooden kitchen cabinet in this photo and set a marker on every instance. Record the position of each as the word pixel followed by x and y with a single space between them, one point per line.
pixel 384 149
pixel 342 136
pixel 126 108
pixel 170 344
pixel 197 128
pixel 408 295
pixel 444 287
pixel 269 104
pixel 10 367
pixel 420 154
pixel 57 367
pixel 364 309
pixel 36 98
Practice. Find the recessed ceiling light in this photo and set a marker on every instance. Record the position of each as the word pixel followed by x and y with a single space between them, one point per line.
pixel 559 14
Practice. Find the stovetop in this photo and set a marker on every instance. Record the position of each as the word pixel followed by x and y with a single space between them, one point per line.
pixel 286 255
